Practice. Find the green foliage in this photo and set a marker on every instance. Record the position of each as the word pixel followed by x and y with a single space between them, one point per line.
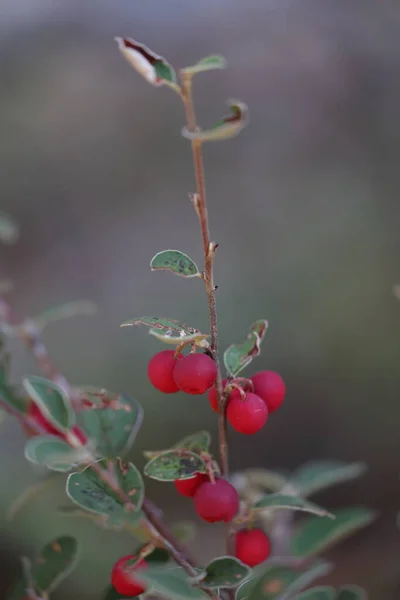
pixel 284 501
pixel 227 127
pixel 318 593
pixel 175 464
pixel 316 535
pixel 238 356
pixel 52 401
pixel 89 490
pixel 53 453
pixel 171 584
pixel 45 573
pixel 196 442
pixel 318 475
pixel 112 421
pixel 208 63
pixel 225 572
pixel 175 261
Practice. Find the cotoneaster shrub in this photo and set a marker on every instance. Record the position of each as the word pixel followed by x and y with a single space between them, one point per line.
pixel 86 433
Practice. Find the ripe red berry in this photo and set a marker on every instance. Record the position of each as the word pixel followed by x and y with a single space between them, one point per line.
pixel 249 415
pixel 212 396
pixel 188 487
pixel 160 371
pixel 217 501
pixel 270 387
pixel 195 373
pixel 252 546
pixel 122 580
pixel 36 415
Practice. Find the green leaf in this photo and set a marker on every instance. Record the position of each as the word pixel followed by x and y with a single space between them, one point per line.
pixel 8 229
pixel 318 475
pixel 305 579
pixel 52 401
pixel 285 501
pixel 225 572
pixel 173 584
pixel 155 69
pixel 54 564
pixel 170 331
pixel 351 592
pixel 175 261
pixel 53 453
pixel 316 535
pixel 260 478
pixel 112 421
pixel 175 464
pixel 197 442
pixel 227 127
pixel 215 61
pixel 89 491
pixel 238 356
pixel 323 592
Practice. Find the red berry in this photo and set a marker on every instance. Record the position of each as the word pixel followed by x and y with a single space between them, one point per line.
pixel 195 373
pixel 217 501
pixel 252 546
pixel 35 413
pixel 270 387
pixel 212 396
pixel 188 487
pixel 249 415
pixel 160 371
pixel 122 580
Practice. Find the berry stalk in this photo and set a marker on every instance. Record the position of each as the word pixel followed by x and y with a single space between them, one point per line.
pixel 209 247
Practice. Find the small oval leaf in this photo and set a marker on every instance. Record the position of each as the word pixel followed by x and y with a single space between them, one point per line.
pixel 238 356
pixel 351 592
pixel 52 401
pixel 214 61
pixel 155 69
pixel 225 572
pixel 228 127
pixel 316 535
pixel 175 261
pixel 53 453
pixel 175 464
pixel 285 501
pixel 89 491
pixel 318 475
pixel 170 583
pixel 112 421
pixel 323 592
pixel 170 331
pixel 196 442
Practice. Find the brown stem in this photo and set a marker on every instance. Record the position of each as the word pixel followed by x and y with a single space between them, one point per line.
pixel 200 204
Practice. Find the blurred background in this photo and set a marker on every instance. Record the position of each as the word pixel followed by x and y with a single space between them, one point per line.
pixel 305 207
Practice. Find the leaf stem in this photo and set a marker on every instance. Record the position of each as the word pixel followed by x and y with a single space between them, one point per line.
pixel 209 248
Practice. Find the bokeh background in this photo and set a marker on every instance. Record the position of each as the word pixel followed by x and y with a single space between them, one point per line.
pixel 304 205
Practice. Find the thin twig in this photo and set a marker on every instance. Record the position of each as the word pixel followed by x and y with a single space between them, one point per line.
pixel 209 248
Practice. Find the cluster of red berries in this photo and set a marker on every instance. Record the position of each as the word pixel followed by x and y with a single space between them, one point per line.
pixel 252 547
pixel 247 412
pixel 36 415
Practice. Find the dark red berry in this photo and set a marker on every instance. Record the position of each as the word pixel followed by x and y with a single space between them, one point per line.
pixel 36 415
pixel 248 415
pixel 160 371
pixel 188 487
pixel 195 373
pixel 212 396
pixel 122 580
pixel 270 387
pixel 252 546
pixel 217 501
